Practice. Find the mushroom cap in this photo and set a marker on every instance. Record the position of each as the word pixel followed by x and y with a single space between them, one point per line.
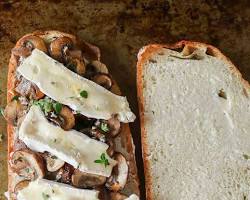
pixel 13 111
pixel 58 48
pixel 114 126
pixel 68 118
pixel 103 80
pixel 86 180
pixel 31 42
pixel 118 178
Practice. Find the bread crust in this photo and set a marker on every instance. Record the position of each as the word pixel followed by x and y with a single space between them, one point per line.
pixel 145 54
pixel 125 136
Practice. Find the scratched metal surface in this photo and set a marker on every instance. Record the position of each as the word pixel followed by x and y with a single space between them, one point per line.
pixel 120 28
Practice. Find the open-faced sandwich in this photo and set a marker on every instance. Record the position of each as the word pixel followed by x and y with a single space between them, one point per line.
pixel 68 133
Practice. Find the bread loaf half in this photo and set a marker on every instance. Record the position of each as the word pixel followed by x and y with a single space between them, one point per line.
pixel 195 118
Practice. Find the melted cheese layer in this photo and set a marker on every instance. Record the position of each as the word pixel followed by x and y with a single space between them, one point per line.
pixel 71 146
pixel 65 86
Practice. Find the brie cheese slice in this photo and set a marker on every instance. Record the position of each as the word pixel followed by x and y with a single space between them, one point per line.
pixel 71 146
pixel 65 86
pixel 43 189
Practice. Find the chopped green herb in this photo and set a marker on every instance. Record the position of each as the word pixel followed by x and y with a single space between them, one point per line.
pixel 246 156
pixel 55 140
pixel 45 196
pixel 27 170
pixel 48 105
pixel 104 127
pixel 2 111
pixel 57 107
pixel 15 98
pixel 102 160
pixel 84 94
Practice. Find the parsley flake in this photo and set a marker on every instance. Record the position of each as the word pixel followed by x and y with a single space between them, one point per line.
pixel 2 111
pixel 15 98
pixel 84 94
pixel 104 127
pixel 246 156
pixel 45 196
pixel 57 107
pixel 103 160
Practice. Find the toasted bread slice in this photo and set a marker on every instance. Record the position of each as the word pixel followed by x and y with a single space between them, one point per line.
pixel 123 141
pixel 194 112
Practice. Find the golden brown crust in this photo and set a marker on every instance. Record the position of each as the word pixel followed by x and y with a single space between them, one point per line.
pixel 95 54
pixel 144 55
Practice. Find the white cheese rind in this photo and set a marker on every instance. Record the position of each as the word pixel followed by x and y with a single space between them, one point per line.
pixel 42 189
pixel 71 146
pixel 64 86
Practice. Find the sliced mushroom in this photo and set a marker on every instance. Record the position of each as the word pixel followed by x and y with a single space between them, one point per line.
pixel 58 48
pixel 99 67
pixel 85 180
pixel 68 118
pixel 103 80
pixel 21 185
pixel 26 88
pixel 76 65
pixel 65 173
pixel 114 126
pixel 118 178
pixel 53 163
pixel 27 44
pixel 14 111
pixel 117 196
pixel 94 68
pixel 27 164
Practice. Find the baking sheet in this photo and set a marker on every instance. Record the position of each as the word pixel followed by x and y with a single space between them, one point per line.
pixel 120 28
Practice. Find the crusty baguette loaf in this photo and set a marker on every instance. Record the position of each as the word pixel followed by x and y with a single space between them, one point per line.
pixel 194 112
pixel 123 141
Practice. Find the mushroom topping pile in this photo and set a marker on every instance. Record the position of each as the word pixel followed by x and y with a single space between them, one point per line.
pixel 118 178
pixel 31 165
pixel 57 113
pixel 27 164
pixel 62 50
pixel 85 180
